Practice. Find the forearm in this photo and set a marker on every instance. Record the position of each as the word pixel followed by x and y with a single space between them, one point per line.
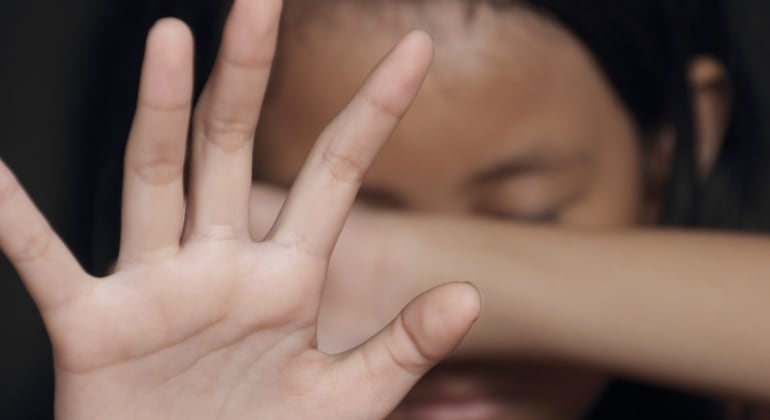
pixel 685 308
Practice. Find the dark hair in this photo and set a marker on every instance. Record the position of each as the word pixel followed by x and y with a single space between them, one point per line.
pixel 645 48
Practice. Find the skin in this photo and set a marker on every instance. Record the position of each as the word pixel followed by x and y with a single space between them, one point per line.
pixel 199 321
pixel 498 130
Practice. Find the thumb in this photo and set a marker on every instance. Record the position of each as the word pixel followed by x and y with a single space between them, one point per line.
pixel 425 332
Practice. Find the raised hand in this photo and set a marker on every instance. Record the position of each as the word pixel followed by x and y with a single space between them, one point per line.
pixel 200 321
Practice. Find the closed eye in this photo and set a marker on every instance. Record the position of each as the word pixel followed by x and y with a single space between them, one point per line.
pixel 546 217
pixel 381 199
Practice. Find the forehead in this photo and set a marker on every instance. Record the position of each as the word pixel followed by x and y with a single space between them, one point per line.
pixel 469 26
pixel 505 81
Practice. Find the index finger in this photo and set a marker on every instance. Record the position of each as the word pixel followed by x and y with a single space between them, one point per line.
pixel 325 189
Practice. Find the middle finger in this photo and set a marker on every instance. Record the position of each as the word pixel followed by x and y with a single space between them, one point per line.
pixel 225 121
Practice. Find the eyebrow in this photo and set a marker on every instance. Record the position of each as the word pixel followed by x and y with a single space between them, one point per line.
pixel 518 166
pixel 524 164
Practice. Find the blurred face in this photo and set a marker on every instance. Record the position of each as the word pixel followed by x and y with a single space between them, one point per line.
pixel 515 121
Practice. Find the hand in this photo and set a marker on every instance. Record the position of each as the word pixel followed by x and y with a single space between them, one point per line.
pixel 361 296
pixel 199 321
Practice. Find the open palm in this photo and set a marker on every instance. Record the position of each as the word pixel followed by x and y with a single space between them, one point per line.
pixel 200 321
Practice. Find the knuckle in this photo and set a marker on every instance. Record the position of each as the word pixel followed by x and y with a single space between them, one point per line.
pixel 158 171
pixel 147 256
pixel 227 135
pixel 382 106
pixel 33 246
pixel 409 357
pixel 344 168
pixel 157 161
pixel 217 233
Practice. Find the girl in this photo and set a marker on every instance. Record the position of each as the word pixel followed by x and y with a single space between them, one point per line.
pixel 501 129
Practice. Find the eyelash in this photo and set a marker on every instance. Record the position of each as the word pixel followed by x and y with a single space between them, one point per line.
pixel 379 199
pixel 550 216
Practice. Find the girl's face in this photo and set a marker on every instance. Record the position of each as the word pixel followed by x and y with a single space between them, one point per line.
pixel 515 121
